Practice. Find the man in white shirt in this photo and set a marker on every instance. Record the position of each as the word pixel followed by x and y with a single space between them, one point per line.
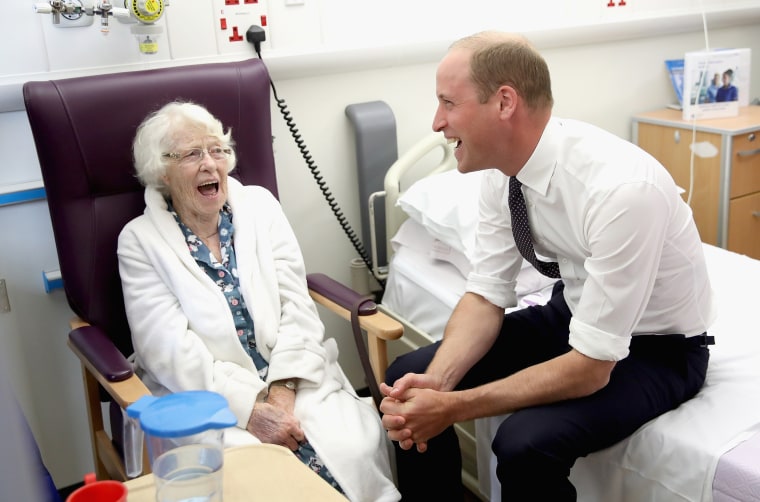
pixel 623 338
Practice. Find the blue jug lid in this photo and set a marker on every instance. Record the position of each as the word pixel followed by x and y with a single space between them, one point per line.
pixel 182 413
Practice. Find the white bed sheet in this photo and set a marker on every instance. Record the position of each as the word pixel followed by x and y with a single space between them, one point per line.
pixel 422 289
pixel 672 458
pixel 737 477
pixel 427 279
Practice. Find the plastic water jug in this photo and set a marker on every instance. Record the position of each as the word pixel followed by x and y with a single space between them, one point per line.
pixel 185 436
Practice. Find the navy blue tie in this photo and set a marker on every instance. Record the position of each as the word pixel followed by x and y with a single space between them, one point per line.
pixel 521 230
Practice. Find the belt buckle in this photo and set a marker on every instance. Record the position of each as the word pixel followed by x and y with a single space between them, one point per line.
pixel 706 340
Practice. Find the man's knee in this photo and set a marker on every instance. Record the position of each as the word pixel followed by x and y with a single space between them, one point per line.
pixel 523 439
pixel 525 451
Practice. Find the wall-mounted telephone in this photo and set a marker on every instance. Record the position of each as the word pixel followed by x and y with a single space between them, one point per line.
pixel 255 36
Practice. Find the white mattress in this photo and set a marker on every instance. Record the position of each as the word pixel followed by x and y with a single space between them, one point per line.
pixel 672 458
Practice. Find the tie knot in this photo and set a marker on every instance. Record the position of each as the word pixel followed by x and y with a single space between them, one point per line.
pixel 514 183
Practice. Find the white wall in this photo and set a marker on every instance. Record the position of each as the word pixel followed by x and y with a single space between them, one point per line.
pixel 602 74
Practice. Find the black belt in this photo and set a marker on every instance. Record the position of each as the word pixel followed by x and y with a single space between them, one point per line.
pixel 702 340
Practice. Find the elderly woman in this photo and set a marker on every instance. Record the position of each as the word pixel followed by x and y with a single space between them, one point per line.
pixel 216 297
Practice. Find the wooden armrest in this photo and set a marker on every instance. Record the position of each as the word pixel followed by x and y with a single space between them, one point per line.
pixel 103 360
pixel 379 326
pixel 338 298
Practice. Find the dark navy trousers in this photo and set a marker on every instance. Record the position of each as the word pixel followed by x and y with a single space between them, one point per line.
pixel 536 447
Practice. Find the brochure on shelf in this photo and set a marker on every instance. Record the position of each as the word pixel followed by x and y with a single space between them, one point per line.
pixel 675 70
pixel 715 83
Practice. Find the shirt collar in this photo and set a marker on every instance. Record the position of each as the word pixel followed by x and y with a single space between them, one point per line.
pixel 538 171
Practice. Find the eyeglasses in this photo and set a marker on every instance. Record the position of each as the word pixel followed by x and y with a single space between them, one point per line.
pixel 195 155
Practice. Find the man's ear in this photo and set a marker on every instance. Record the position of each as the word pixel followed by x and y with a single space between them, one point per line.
pixel 507 100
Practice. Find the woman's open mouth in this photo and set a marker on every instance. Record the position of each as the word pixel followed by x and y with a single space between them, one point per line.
pixel 210 188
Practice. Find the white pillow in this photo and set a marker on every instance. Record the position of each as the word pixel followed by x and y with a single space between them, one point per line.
pixel 446 204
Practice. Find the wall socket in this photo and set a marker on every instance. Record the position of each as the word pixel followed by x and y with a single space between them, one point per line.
pixel 232 19
pixel 5 305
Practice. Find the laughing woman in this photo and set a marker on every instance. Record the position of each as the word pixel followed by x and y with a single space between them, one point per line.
pixel 215 293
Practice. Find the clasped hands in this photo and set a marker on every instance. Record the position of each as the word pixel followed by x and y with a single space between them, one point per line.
pixel 415 410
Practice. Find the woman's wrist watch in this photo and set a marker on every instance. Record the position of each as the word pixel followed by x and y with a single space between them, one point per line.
pixel 289 384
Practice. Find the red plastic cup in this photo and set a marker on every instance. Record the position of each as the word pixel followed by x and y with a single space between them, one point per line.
pixel 98 491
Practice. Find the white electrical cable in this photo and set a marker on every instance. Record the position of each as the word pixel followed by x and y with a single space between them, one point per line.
pixel 694 115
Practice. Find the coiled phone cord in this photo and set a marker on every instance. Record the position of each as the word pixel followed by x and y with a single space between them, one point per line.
pixel 344 224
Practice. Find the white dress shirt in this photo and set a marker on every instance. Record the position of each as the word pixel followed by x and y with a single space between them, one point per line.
pixel 610 214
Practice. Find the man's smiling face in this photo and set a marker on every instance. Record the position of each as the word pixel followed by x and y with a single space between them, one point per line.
pixel 462 117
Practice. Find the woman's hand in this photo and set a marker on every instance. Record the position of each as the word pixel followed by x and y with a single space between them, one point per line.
pixel 272 424
pixel 282 398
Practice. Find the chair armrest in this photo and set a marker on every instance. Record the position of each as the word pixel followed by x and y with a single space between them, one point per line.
pixel 338 293
pixel 379 327
pixel 338 298
pixel 107 364
pixel 93 344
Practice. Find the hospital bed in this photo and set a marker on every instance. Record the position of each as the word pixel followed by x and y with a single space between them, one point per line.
pixel 707 449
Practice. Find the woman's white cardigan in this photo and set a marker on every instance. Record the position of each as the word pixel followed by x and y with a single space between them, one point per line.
pixel 185 338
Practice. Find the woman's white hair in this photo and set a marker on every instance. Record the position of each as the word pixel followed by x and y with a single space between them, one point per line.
pixel 162 131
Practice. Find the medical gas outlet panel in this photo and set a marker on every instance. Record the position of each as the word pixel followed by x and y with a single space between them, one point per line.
pixel 89 34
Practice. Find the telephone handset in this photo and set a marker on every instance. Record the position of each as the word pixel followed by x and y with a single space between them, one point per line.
pixel 255 35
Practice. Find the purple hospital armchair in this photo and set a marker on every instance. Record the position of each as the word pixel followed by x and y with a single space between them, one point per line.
pixel 83 130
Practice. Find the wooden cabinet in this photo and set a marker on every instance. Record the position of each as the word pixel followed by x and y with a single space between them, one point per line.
pixel 721 180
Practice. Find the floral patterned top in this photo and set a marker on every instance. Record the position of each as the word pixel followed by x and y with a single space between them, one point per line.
pixel 225 275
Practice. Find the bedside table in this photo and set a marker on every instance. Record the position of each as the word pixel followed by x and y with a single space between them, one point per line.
pixel 726 187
